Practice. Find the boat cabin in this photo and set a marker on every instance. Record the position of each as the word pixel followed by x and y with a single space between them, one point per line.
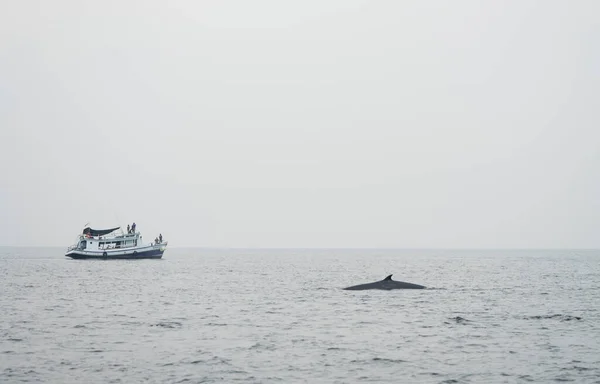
pixel 96 240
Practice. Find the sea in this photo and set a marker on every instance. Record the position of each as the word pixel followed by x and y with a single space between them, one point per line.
pixel 281 316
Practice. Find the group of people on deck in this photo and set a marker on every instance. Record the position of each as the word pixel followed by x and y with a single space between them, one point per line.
pixel 131 229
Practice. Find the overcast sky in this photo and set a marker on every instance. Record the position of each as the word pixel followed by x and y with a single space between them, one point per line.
pixel 343 123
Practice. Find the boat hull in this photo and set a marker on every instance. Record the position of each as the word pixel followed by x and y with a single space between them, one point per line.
pixel 156 253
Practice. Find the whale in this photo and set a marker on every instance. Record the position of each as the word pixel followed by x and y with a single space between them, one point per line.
pixel 386 284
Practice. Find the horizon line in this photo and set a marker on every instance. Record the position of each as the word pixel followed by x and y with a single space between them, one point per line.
pixel 353 248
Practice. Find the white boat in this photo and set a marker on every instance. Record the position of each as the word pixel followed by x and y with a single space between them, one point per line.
pixel 114 243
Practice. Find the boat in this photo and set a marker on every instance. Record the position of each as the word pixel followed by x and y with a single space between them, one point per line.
pixel 114 243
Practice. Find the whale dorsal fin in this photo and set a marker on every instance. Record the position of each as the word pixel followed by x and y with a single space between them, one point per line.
pixel 388 278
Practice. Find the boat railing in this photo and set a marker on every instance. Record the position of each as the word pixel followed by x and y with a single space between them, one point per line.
pixel 114 236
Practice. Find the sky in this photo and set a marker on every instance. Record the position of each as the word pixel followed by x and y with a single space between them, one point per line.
pixel 329 123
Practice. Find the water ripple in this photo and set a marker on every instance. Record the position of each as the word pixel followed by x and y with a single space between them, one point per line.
pixel 280 316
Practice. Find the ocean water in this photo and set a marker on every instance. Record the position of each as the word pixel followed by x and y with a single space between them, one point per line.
pixel 280 316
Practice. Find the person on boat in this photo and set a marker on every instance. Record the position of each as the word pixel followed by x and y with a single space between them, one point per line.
pixel 128 229
pixel 156 240
pixel 133 227
pixel 160 237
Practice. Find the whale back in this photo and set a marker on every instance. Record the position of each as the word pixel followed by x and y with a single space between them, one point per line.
pixel 385 284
